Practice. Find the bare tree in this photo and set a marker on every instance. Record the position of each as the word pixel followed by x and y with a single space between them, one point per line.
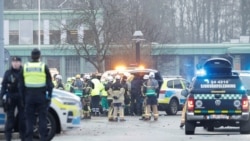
pixel 245 16
pixel 102 20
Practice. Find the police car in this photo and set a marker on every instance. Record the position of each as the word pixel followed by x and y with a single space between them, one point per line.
pixel 64 114
pixel 170 98
pixel 217 99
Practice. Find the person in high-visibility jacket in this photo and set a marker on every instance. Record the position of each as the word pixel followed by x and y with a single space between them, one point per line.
pixel 95 96
pixel 36 87
pixel 68 84
pixel 54 79
pixel 150 88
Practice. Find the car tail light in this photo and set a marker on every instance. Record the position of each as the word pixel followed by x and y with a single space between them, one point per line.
pixel 245 104
pixel 162 94
pixel 190 104
pixel 162 91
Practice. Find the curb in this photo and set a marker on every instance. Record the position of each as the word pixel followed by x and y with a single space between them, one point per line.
pixel 14 136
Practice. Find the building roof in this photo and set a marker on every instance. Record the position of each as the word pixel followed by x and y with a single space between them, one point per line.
pixel 200 49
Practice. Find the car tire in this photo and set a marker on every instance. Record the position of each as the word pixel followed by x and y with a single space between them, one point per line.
pixel 51 128
pixel 245 127
pixel 189 128
pixel 173 107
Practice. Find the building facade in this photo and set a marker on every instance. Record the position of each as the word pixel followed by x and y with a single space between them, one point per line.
pixel 21 36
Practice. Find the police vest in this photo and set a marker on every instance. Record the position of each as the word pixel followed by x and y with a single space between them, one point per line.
pixel 97 89
pixel 34 75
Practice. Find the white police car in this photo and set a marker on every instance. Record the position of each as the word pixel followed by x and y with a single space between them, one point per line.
pixel 170 98
pixel 64 114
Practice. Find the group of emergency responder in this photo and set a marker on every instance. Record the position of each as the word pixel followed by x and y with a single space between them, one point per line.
pixel 27 88
pixel 114 95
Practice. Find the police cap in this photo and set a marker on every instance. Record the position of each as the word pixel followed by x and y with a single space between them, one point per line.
pixel 16 58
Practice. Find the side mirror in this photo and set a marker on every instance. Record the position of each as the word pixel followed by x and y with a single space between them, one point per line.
pixel 184 92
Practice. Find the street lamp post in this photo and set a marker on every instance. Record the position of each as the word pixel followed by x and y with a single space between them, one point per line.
pixel 39 24
pixel 138 38
pixel 1 38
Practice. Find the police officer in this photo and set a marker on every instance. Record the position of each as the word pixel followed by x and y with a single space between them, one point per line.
pixel 13 99
pixel 36 86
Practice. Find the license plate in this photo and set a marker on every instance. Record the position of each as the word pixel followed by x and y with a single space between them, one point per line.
pixel 219 117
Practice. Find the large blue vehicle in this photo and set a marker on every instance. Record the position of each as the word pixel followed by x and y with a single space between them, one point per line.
pixel 217 98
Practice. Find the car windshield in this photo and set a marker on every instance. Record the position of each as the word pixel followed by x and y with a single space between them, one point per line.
pixel 246 81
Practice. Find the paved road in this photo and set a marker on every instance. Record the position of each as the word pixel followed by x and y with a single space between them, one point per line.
pixel 166 128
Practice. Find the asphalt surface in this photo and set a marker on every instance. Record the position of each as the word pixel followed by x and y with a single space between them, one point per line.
pixel 166 128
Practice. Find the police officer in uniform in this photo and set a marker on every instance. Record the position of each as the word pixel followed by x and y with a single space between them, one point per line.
pixel 36 86
pixel 12 99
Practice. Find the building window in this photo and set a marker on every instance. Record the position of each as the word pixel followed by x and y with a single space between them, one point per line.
pixel 26 32
pixel 13 32
pixel 54 37
pixel 187 67
pixel 13 37
pixel 72 37
pixel 72 66
pixel 35 37
pixel 89 37
pixel 53 62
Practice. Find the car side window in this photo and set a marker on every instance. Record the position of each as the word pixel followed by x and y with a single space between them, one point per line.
pixel 186 84
pixel 177 84
pixel 170 84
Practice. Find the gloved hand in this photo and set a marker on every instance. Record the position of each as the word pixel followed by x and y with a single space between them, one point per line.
pixel 5 101
pixel 115 97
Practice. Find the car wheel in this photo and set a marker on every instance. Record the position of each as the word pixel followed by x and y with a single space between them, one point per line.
pixel 189 128
pixel 51 128
pixel 173 107
pixel 245 127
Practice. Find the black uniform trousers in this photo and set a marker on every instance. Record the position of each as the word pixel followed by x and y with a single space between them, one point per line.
pixel 36 105
pixel 14 101
pixel 136 104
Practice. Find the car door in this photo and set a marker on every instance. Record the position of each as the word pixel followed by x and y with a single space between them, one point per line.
pixel 178 86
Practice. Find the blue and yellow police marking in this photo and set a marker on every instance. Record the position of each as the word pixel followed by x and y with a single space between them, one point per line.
pixel 223 96
pixel 2 119
pixel 217 111
pixel 66 107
